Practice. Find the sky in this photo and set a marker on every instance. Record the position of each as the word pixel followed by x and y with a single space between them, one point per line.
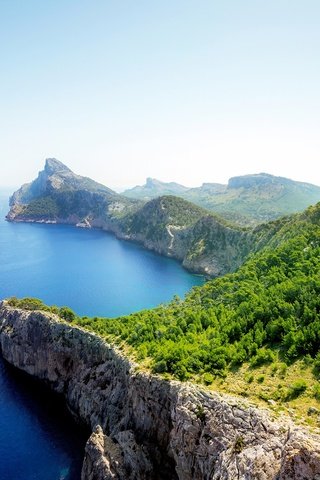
pixel 190 91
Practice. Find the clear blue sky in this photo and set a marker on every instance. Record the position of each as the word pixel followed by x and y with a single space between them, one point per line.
pixel 191 91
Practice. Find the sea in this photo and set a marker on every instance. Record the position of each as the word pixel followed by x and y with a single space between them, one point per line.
pixel 96 275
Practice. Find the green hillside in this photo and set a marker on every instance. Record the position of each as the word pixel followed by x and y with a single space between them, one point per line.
pixel 246 200
pixel 152 219
pixel 272 301
pixel 201 240
pixel 258 327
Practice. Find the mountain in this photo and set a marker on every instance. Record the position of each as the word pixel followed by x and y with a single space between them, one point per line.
pixel 246 200
pixel 201 240
pixel 58 195
pixel 56 177
pixel 154 188
pixel 169 225
pixel 254 333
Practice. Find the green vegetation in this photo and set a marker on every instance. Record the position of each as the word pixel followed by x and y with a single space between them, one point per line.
pixel 34 304
pixel 258 327
pixel 152 219
pixel 41 208
pixel 296 389
pixel 249 199
pixel 271 303
pixel 238 444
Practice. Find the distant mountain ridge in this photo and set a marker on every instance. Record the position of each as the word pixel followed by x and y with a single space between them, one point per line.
pixel 169 225
pixel 201 240
pixel 155 188
pixel 249 199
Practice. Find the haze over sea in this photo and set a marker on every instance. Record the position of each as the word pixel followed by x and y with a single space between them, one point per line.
pixel 93 273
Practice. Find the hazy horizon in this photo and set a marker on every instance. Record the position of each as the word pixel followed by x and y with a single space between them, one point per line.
pixel 182 91
pixel 11 188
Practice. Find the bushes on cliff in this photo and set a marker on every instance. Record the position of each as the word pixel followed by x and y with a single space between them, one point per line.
pixel 35 304
pixel 271 302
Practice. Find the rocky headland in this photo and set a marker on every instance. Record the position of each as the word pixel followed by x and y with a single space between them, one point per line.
pixel 144 427
pixel 168 225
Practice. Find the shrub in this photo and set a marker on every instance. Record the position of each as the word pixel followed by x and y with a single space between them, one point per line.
pixel 296 389
pixel 238 444
pixel 316 364
pixel 208 378
pixel 316 391
pixel 160 367
pixel 250 378
pixel 200 413
pixel 67 314
pixel 263 356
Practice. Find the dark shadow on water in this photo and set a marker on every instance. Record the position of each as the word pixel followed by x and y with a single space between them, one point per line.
pixel 55 436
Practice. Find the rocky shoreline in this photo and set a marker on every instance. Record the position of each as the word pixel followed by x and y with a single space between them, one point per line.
pixel 170 226
pixel 146 428
pixel 175 243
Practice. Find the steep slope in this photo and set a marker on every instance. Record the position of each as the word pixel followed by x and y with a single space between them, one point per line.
pixel 248 199
pixel 203 242
pixel 56 177
pixel 265 314
pixel 146 428
pixel 61 196
pixel 154 188
pixel 169 225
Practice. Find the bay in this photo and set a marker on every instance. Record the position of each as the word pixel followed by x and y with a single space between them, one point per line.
pixel 90 271
pixel 96 275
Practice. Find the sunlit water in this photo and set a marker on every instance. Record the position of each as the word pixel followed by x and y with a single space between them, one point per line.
pixel 93 273
pixel 89 270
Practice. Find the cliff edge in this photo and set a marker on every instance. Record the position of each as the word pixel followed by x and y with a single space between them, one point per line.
pixel 168 225
pixel 144 427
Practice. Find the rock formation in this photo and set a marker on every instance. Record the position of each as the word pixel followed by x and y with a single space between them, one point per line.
pixel 146 428
pixel 168 225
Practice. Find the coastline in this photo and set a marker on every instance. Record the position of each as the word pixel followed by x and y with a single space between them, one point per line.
pixel 148 426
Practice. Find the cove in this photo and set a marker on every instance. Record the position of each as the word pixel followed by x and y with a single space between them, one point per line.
pixel 93 273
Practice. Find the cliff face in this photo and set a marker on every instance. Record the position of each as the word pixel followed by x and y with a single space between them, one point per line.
pixel 168 225
pixel 147 428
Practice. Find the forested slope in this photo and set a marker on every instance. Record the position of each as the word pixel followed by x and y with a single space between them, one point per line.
pixel 265 315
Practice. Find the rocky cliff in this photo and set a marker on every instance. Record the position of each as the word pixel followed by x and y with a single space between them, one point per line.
pixel 169 225
pixel 144 427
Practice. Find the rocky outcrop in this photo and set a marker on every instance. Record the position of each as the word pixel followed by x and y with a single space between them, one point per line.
pixel 146 428
pixel 55 177
pixel 167 225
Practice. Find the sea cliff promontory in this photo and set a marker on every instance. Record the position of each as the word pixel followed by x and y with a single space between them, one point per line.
pixel 168 225
pixel 145 427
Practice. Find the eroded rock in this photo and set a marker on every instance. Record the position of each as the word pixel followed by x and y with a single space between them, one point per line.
pixel 145 428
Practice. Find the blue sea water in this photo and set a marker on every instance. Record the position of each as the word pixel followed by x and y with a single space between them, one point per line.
pixel 93 273
pixel 89 270
pixel 38 438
